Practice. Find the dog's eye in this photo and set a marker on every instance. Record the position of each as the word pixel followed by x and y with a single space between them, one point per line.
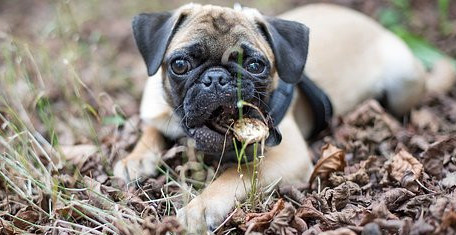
pixel 255 67
pixel 180 66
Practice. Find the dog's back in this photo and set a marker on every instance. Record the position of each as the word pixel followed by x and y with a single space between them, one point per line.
pixel 349 51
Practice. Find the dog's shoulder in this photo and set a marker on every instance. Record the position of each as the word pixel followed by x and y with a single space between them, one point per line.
pixel 155 110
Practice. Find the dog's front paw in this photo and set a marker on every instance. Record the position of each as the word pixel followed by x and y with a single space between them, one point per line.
pixel 204 214
pixel 136 166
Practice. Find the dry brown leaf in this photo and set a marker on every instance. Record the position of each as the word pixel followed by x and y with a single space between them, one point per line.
pixel 71 210
pixel 345 217
pixel 280 224
pixel 260 221
pixel 415 205
pixel 238 217
pixel 339 231
pixel 6 228
pixel 332 159
pixel 401 163
pixel 424 118
pixel 395 197
pixel 370 110
pixel 308 211
pixel 299 224
pixel 25 217
pixel 379 211
pixel 434 156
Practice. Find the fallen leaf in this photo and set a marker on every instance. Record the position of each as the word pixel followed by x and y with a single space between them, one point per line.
pixel 395 197
pixel 6 228
pixel 409 181
pixel 402 162
pixel 337 197
pixel 260 221
pixel 342 218
pixel 280 224
pixel 416 205
pixel 332 159
pixel 238 217
pixel 308 211
pixel 299 224
pixel 424 118
pixel 25 218
pixel 339 231
pixel 434 156
pixel 369 109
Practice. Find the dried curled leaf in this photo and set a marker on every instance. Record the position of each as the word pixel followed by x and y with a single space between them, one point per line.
pixel 332 159
pixel 396 197
pixel 24 219
pixel 401 163
pixel 339 231
pixel 280 224
pixel 250 130
pixel 307 211
pixel 260 221
pixel 433 157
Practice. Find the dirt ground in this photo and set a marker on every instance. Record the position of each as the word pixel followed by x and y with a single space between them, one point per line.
pixel 70 86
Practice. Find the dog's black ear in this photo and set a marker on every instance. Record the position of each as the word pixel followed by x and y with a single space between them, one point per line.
pixel 290 42
pixel 153 32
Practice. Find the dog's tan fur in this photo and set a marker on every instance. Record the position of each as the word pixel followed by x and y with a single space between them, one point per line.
pixel 351 57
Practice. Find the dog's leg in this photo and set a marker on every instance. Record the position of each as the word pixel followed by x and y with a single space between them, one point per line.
pixel 405 92
pixel 144 158
pixel 403 76
pixel 288 162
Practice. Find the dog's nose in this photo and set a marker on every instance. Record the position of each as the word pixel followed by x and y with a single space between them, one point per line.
pixel 215 77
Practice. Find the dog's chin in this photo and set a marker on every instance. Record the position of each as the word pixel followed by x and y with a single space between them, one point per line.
pixel 214 135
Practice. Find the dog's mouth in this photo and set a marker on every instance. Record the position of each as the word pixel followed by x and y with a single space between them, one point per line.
pixel 222 118
pixel 215 134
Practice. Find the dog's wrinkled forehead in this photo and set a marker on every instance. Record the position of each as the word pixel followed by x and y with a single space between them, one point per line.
pixel 218 29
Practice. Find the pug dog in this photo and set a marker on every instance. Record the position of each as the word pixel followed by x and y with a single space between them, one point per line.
pixel 298 69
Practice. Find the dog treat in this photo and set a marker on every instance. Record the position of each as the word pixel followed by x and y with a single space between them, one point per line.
pixel 250 130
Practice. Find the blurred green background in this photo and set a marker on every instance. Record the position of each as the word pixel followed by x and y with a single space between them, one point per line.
pixel 79 56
